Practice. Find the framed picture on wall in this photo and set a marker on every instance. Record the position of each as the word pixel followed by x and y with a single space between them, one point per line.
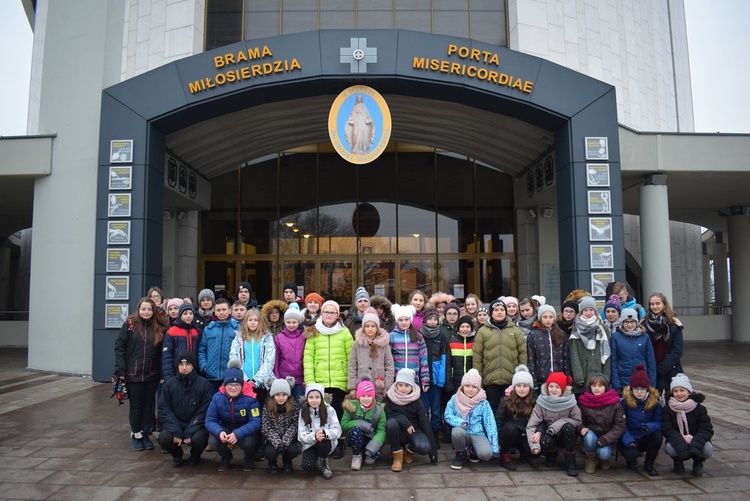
pixel 597 175
pixel 600 202
pixel 600 229
pixel 121 151
pixel 599 282
pixel 118 232
pixel 117 288
pixel 597 148
pixel 115 315
pixel 602 256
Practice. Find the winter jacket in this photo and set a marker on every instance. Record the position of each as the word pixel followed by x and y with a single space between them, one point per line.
pixel 437 359
pixel 355 416
pixel 137 358
pixel 503 417
pixel 387 321
pixel 461 352
pixel 411 414
pixel 408 354
pixel 627 353
pixel 544 357
pixel 240 415
pixel 327 357
pixel 380 368
pixel 280 431
pixel 202 319
pixel 553 420
pixel 479 421
pixel 277 327
pixel 267 358
pixel 353 320
pixel 641 416
pixel 699 426
pixel 671 353
pixel 631 303
pixel 603 415
pixel 183 404
pixel 177 339
pixel 290 354
pixel 584 362
pixel 213 350
pixel 498 352
pixel 306 434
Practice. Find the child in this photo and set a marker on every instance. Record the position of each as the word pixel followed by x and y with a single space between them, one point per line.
pixel 511 303
pixel 279 428
pixel 407 423
pixel 483 314
pixel 183 335
pixel 471 304
pixel 643 415
pixel 273 315
pixel 474 432
pixel 568 317
pixel 318 430
pixel 439 301
pixel 173 310
pixel 383 306
pixel 612 311
pixel 254 347
pixel 687 426
pixel 310 314
pixel 547 346
pixel 437 355
pixel 665 330
pixel 589 346
pixel 204 314
pixel 361 303
pixel 557 410
pixel 512 416
pixel 602 422
pixel 233 418
pixel 460 351
pixel 631 347
pixel 290 352
pixel 418 300
pixel 408 347
pixel 239 310
pixel 216 341
pixel 526 316
pixel 364 424
pixel 371 355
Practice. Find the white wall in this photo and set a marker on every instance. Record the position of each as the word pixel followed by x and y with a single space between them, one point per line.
pixel 14 333
pixel 707 327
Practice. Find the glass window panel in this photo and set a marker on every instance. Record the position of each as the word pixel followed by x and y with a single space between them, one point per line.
pixel 262 24
pixel 219 275
pixel 489 27
pixel 218 232
pixel 297 203
pixel 455 201
pixel 494 203
pixel 297 21
pixel 375 5
pixel 495 278
pixel 488 5
pixel 336 281
pixel 258 207
pixel 415 274
pixel 380 277
pixel 375 19
pixel 337 20
pixel 223 23
pixel 377 223
pixel 452 22
pixel 414 20
pixel 302 273
pixel 416 210
pixel 260 276
pixel 337 190
pixel 423 5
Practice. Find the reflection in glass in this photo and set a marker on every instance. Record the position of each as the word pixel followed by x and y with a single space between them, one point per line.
pixel 415 274
pixel 380 277
pixel 495 278
pixel 336 281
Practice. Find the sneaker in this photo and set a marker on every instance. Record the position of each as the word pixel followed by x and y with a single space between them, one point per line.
pixel 473 457
pixel 147 443
pixel 369 460
pixel 458 461
pixel 225 462
pixel 357 462
pixel 194 461
pixel 288 468
pixel 138 444
pixel 176 462
pixel 507 463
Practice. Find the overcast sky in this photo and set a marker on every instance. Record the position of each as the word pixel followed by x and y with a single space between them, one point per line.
pixel 718 38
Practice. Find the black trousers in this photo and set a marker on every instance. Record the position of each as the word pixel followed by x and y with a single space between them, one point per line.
pixel 566 438
pixel 495 393
pixel 247 444
pixel 512 436
pixel 287 454
pixel 650 444
pixel 141 397
pixel 397 437
pixel 310 456
pixel 198 443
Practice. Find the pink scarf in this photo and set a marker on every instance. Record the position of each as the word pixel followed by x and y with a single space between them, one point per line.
pixel 464 404
pixel 681 409
pixel 399 398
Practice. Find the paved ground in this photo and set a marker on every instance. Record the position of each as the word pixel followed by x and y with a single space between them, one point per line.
pixel 63 438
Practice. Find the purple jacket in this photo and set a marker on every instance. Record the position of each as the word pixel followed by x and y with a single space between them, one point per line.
pixel 290 352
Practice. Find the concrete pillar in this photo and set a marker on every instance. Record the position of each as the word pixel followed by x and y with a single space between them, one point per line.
pixel 5 280
pixel 721 273
pixel 706 265
pixel 186 264
pixel 656 260
pixel 739 253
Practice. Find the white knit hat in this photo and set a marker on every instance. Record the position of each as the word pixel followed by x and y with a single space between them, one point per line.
pixel 406 310
pixel 406 376
pixel 523 376
pixel 680 381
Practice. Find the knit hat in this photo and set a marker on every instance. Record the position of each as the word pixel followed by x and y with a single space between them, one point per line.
pixel 570 304
pixel 206 293
pixel 315 387
pixel 586 302
pixel 281 385
pixel 484 307
pixel 234 374
pixel 187 356
pixel 175 301
pixel 557 377
pixel 314 296
pixel 332 304
pixel 464 320
pixel 183 308
pixel 523 376
pixel 406 376
pixel 293 312
pixel 244 285
pixel 540 299
pixel 406 310
pixel 452 306
pixel 472 378
pixel 680 381
pixel 639 379
pixel 290 286
pixel 494 304
pixel 508 300
pixel 360 294
pixel 628 314
pixel 370 316
pixel 613 302
pixel 365 387
pixel 430 312
pixel 544 309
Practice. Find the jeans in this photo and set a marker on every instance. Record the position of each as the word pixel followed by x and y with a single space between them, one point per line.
pixel 431 401
pixel 708 449
pixel 198 443
pixel 247 444
pixel 590 445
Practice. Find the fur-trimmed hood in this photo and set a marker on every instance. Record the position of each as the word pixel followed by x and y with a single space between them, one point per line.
pixel 576 295
pixel 632 402
pixel 543 390
pixel 270 305
pixel 440 297
pixel 383 301
pixel 381 340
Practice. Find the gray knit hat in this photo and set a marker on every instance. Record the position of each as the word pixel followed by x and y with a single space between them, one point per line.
pixel 361 293
pixel 407 376
pixel 545 308
pixel 523 376
pixel 293 312
pixel 680 381
pixel 206 293
pixel 281 386
pixel 586 302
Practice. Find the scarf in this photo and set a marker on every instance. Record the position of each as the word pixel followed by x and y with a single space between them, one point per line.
pixel 429 332
pixel 565 325
pixel 556 404
pixel 327 331
pixel 501 325
pixel 464 404
pixel 399 398
pixel 657 327
pixel 588 399
pixel 635 333
pixel 681 409
pixel 612 326
pixel 525 325
pixel 590 332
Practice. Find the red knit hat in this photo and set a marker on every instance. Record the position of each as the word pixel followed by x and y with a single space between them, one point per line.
pixel 639 379
pixel 558 377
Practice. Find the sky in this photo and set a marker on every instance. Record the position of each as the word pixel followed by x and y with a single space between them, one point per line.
pixel 718 38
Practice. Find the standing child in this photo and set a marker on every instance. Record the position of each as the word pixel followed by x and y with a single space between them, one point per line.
pixel 183 335
pixel 512 416
pixel 318 430
pixel 204 314
pixel 526 316
pixel 216 341
pixel 364 424
pixel 557 410
pixel 310 314
pixel 471 305
pixel 460 350
pixel 483 314
pixel 474 433
pixel 408 347
pixel 631 347
pixel 643 415
pixel 418 300
pixel 436 341
pixel 254 347
pixel 568 316
pixel 173 310
pixel 279 428
pixel 548 347
pixel 687 426
pixel 612 313
pixel 589 346
pixel 273 315
pixel 603 422
pixel 665 330
pixel 290 353
pixel 407 427
pixel 371 356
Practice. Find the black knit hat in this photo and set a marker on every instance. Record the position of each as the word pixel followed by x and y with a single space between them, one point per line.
pixel 570 304
pixel 244 285
pixel 290 286
pixel 183 308
pixel 464 320
pixel 187 356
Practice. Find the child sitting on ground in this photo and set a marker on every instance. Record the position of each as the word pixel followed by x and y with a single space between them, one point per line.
pixel 603 422
pixel 643 416
pixel 363 422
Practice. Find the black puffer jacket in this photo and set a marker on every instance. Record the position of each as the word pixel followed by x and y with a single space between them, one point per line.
pixel 699 426
pixel 183 404
pixel 136 357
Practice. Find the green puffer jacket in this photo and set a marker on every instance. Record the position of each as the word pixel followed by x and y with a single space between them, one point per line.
pixel 496 361
pixel 327 357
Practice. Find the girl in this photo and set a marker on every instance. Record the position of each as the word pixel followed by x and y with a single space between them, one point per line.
pixel 290 353
pixel 526 316
pixel 371 355
pixel 665 330
pixel 312 309
pixel 183 335
pixel 548 347
pixel 279 425
pixel 643 415
pixel 439 301
pixel 511 303
pixel 204 314
pixel 568 316
pixel 471 304
pixel 589 346
pixel 408 347
pixel 512 416
pixel 383 306
pixel 318 429
pixel 631 347
pixel 327 347
pixel 157 296
pixel 557 410
pixel 451 315
pixel 173 309
pixel 436 341
pixel 483 314
pixel 687 426
pixel 407 423
pixel 273 315
pixel 418 300
pixel 364 424
pixel 233 418
pixel 474 432
pixel 253 346
pixel 138 362
pixel 603 422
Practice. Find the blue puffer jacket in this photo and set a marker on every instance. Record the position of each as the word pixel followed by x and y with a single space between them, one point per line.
pixel 627 353
pixel 240 415
pixel 641 416
pixel 213 351
pixel 481 421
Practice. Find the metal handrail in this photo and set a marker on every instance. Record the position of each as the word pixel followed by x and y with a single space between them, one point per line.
pixel 708 309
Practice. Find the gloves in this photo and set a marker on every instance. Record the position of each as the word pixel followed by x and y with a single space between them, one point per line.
pixel 683 455
pixel 433 458
pixel 366 427
pixel 695 451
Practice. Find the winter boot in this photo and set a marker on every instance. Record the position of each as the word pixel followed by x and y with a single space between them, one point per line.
pixel 225 462
pixel 551 460
pixel 356 462
pixel 507 463
pixel 591 463
pixel 633 465
pixel 408 455
pixel 648 465
pixel 273 468
pixel 679 467
pixel 698 467
pixel 325 468
pixel 570 464
pixel 288 468
pixel 436 434
pixel 459 460
pixel 398 461
pixel 338 452
pixel 605 464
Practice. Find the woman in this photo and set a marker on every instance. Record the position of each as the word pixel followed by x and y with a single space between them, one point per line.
pixel 138 362
pixel 589 346
pixel 665 330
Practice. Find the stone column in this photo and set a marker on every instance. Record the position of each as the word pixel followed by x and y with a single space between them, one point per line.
pixel 721 273
pixel 656 260
pixel 739 254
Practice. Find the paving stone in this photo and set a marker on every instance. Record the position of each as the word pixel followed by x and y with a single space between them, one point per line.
pixel 91 478
pixel 63 452
pixel 316 495
pixel 468 493
pixel 405 480
pixel 89 493
pixel 227 494
pixel 23 476
pixel 543 476
pixel 723 484
pixel 376 494
pixel 725 496
pixel 530 492
pixel 471 479
pixel 12 490
pixel 662 488
pixel 591 491
pixel 157 494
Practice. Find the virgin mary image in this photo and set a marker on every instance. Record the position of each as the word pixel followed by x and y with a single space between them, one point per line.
pixel 359 128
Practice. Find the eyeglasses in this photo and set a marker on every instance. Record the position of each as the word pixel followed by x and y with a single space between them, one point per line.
pixel 329 313
pixel 452 313
pixel 155 296
pixel 234 385
pixel 640 389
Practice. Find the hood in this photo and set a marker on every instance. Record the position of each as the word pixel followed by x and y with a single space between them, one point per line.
pixel 383 301
pixel 270 305
pixel 381 340
pixel 651 401
pixel 440 297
